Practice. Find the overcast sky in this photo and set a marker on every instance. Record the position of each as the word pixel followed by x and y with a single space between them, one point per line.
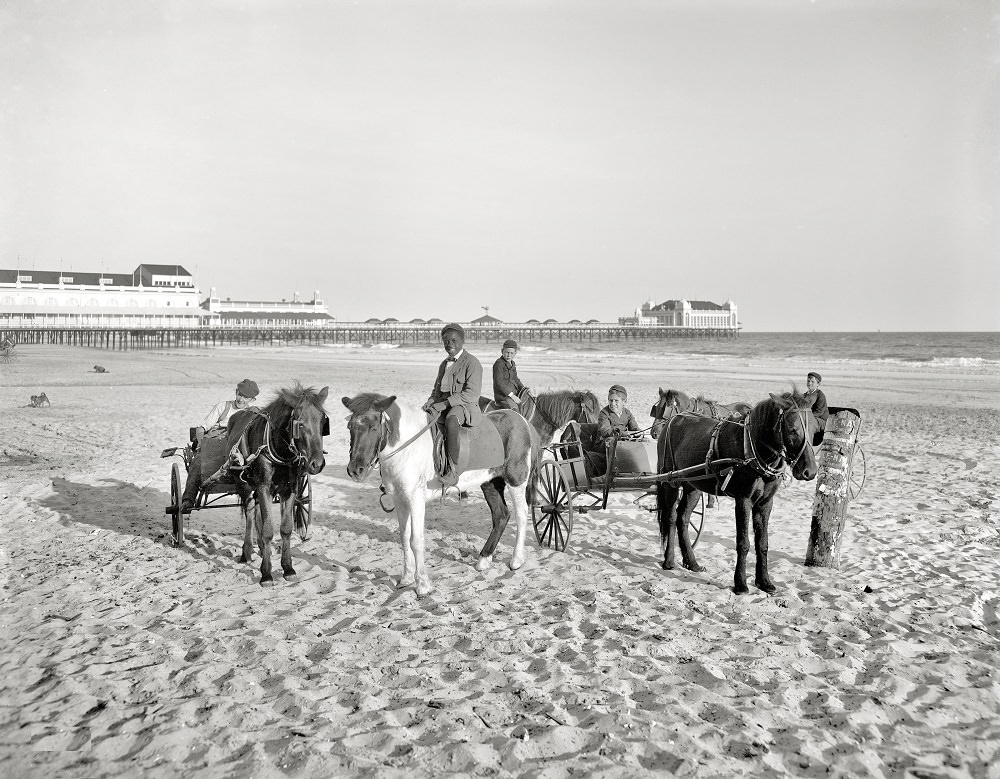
pixel 827 165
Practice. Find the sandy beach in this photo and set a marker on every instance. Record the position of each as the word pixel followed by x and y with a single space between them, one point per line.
pixel 125 656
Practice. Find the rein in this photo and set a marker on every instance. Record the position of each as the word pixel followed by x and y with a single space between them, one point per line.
pixel 267 449
pixel 383 438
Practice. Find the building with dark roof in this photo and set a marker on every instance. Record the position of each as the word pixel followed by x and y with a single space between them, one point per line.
pixel 150 296
pixel 268 313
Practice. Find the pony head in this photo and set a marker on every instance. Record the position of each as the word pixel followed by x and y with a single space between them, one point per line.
pixel 371 429
pixel 299 414
pixel 794 428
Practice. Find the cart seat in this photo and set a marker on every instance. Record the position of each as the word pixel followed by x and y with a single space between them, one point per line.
pixel 636 456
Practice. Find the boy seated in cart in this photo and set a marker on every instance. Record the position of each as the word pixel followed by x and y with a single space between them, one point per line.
pixel 212 443
pixel 614 421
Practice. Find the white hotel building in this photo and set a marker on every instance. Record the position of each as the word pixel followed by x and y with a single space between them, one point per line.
pixel 685 313
pixel 151 296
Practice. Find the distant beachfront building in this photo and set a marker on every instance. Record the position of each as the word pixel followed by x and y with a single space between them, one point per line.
pixel 267 313
pixel 150 296
pixel 685 313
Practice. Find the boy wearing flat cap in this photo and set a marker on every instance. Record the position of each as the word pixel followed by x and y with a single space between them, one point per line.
pixel 215 427
pixel 615 419
pixel 507 387
pixel 818 399
pixel 456 392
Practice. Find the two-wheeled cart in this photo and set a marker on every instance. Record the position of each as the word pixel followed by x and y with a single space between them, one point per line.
pixel 222 492
pixel 568 485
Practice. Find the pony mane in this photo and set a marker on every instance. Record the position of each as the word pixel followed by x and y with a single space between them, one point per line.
pixel 292 397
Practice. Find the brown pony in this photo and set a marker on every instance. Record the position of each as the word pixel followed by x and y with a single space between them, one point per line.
pixel 673 401
pixel 279 445
pixel 550 412
pixel 743 459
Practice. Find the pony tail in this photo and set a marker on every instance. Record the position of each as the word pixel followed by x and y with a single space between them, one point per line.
pixel 536 454
pixel 662 517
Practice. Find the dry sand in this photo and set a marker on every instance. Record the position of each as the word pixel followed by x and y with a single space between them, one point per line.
pixel 123 655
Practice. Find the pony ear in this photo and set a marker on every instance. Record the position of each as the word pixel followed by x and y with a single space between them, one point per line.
pixel 323 393
pixel 382 405
pixel 781 400
pixel 345 400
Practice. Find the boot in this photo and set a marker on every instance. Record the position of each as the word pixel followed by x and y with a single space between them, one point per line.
pixel 450 477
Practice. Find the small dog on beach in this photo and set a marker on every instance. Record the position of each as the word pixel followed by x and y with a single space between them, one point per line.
pixel 37 401
pixel 100 369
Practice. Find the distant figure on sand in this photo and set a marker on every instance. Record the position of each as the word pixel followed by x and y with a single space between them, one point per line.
pixel 215 428
pixel 507 387
pixel 100 369
pixel 37 401
pixel 455 395
pixel 819 408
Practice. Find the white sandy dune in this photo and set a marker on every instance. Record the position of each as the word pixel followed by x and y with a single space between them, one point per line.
pixel 123 655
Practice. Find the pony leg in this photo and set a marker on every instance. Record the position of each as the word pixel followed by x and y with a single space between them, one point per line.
pixel 247 554
pixel 265 533
pixel 403 516
pixel 500 514
pixel 685 507
pixel 666 516
pixel 422 578
pixel 743 509
pixel 761 515
pixel 519 500
pixel 287 525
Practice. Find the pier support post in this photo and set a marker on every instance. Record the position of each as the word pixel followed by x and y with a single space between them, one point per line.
pixel 829 514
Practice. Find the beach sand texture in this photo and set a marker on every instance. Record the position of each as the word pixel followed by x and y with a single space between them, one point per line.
pixel 123 655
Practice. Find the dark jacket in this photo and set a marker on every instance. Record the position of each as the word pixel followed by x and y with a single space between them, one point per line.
pixel 819 409
pixel 608 422
pixel 505 380
pixel 467 386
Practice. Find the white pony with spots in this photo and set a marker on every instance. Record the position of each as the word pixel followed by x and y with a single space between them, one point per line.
pixel 398 439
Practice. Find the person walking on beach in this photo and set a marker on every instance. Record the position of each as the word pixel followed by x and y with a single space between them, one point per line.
pixel 455 396
pixel 215 431
pixel 507 387
pixel 819 407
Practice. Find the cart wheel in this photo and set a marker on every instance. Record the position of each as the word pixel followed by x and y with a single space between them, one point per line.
pixel 697 520
pixel 175 505
pixel 552 511
pixel 302 508
pixel 859 472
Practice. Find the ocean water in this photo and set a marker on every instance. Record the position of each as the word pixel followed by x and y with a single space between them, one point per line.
pixel 976 352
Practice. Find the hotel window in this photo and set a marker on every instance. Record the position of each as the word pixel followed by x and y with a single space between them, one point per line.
pixel 65 279
pixel 72 302
pixel 7 301
pixel 51 302
pixel 30 301
pixel 24 278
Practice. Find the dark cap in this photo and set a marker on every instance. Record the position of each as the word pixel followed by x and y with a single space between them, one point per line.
pixel 619 389
pixel 510 343
pixel 814 375
pixel 247 388
pixel 457 328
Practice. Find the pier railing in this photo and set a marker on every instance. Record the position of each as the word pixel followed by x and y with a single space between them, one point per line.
pixel 124 338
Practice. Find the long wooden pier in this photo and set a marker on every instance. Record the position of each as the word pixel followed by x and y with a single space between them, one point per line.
pixel 123 339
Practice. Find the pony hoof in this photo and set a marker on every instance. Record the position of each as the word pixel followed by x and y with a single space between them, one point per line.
pixel 290 573
pixel 516 562
pixel 243 559
pixel 667 566
pixel 696 568
pixel 267 582
pixel 484 563
pixel 424 588
pixel 404 583
pixel 741 590
pixel 767 587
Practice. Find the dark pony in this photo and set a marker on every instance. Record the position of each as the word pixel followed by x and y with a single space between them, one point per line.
pixel 742 458
pixel 554 410
pixel 280 444
pixel 673 401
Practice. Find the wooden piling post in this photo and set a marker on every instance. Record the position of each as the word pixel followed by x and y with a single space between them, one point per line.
pixel 829 514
